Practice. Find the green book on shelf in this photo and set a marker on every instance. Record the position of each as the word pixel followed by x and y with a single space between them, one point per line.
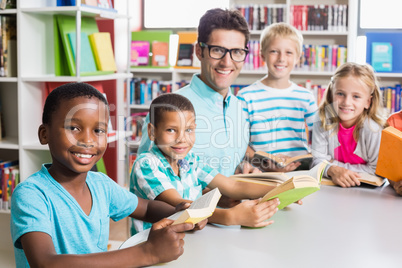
pixel 63 50
pixel 87 63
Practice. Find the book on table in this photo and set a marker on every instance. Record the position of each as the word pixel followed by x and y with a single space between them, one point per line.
pixel 199 210
pixel 291 186
pixel 365 178
pixel 305 159
pixel 389 164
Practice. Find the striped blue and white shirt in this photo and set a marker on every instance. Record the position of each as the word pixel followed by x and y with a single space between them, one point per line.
pixel 152 174
pixel 278 117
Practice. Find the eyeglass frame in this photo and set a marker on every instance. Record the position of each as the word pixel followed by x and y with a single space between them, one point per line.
pixel 204 45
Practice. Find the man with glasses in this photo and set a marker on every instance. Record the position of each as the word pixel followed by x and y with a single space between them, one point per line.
pixel 222 132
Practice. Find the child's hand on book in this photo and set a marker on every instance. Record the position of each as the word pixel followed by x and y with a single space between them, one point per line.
pixel 182 206
pixel 201 225
pixel 251 213
pixel 271 166
pixel 245 168
pixel 343 177
pixel 165 241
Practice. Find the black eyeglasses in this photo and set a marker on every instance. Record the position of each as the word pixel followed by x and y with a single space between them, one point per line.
pixel 217 52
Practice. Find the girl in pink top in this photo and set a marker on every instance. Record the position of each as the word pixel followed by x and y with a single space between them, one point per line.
pixel 348 131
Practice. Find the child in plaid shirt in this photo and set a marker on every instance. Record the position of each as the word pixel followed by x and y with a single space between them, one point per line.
pixel 171 172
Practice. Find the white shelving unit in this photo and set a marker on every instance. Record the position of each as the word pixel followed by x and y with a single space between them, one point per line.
pixel 23 96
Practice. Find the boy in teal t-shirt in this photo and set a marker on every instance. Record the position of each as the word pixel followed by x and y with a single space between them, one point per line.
pixel 60 215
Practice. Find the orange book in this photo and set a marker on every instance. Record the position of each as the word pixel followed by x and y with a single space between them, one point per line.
pixel 389 163
pixel 160 54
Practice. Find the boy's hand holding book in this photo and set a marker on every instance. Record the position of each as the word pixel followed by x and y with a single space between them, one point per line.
pixel 252 213
pixel 165 241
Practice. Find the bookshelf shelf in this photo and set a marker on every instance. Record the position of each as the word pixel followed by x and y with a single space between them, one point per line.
pixel 53 78
pixel 8 11
pixel 139 106
pixel 9 143
pixel 151 70
pixel 8 79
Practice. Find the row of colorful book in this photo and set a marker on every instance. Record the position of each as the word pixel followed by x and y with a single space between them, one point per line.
pixel 105 4
pixel 319 17
pixel 96 57
pixel 8 46
pixel 392 98
pixel 260 16
pixel 9 178
pixel 143 90
pixel 314 57
pixel 137 122
pixel 322 57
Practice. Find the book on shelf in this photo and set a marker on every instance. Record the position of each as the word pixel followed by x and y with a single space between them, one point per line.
pixel 297 187
pixel 139 53
pixel 305 159
pixel 90 2
pixel 365 178
pixel 101 44
pixel 319 17
pixel 63 25
pixel 87 63
pixel 160 54
pixel 8 180
pixel 381 57
pixel 8 45
pixel 199 210
pixel 185 55
pixel 389 164
pixel 277 178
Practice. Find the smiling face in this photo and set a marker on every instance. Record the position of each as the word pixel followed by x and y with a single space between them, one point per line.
pixel 220 74
pixel 174 135
pixel 351 97
pixel 280 56
pixel 76 136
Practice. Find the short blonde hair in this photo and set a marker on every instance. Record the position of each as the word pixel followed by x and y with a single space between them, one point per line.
pixel 283 30
pixel 366 75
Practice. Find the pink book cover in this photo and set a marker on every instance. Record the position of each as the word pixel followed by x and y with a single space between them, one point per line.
pixel 139 53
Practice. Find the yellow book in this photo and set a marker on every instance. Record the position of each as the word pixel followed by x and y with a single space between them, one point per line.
pixel 200 209
pixel 103 52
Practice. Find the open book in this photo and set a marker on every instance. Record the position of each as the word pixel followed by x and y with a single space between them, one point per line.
pixel 299 185
pixel 305 159
pixel 199 210
pixel 365 178
pixel 277 178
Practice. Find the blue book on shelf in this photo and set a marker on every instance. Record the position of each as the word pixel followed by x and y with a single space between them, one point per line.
pixel 381 56
pixel 394 38
pixel 65 2
pixel 87 57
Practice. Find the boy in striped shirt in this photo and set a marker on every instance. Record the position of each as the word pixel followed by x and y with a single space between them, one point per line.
pixel 172 173
pixel 277 109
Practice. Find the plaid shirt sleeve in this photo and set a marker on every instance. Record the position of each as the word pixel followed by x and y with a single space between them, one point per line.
pixel 149 177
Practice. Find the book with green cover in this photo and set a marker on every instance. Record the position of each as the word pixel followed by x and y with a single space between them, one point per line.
pixel 87 63
pixel 63 50
pixel 297 187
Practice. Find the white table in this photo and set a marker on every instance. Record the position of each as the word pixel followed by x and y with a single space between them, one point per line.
pixel 335 227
